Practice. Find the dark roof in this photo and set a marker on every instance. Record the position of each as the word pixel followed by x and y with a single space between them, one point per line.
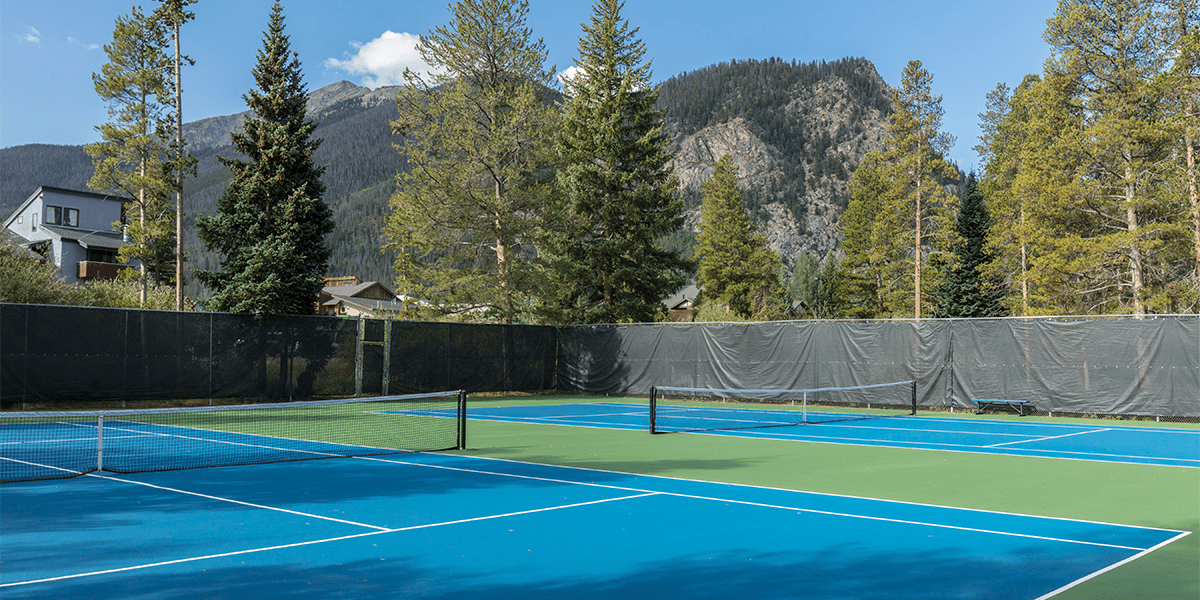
pixel 367 304
pixel 350 291
pixel 110 240
pixel 114 197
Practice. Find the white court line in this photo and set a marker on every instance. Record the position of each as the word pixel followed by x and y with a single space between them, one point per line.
pixel 748 503
pixel 232 501
pixel 63 440
pixel 1111 567
pixel 25 462
pixel 312 542
pixel 947 447
pixel 1053 437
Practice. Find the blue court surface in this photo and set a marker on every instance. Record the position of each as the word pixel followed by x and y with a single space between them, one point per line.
pixel 446 526
pixel 1110 443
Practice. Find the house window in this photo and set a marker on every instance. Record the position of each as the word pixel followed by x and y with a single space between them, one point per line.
pixel 70 217
pixel 101 255
pixel 33 223
pixel 54 215
pixel 20 219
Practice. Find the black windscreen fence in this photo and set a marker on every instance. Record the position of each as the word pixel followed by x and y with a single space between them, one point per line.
pixel 1120 366
pixel 56 355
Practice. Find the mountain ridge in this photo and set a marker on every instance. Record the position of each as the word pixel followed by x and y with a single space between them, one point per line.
pixel 796 130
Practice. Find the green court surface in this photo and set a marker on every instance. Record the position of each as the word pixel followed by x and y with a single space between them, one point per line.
pixel 1142 495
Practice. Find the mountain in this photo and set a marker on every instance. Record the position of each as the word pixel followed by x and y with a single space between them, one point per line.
pixel 796 130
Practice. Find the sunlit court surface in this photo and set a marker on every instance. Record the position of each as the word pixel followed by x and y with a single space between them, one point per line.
pixel 496 521
pixel 1096 441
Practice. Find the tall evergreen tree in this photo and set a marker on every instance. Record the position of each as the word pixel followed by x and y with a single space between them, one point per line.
pixel 173 14
pixel 898 194
pixel 614 177
pixel 965 292
pixel 737 269
pixel 476 136
pixel 1118 249
pixel 1183 85
pixel 873 242
pixel 916 153
pixel 802 287
pixel 130 157
pixel 271 223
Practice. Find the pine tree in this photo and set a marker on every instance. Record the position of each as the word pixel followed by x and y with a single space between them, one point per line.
pixel 1117 251
pixel 476 136
pixel 964 291
pixel 802 287
pixel 1029 180
pixel 1183 85
pixel 737 269
pixel 873 241
pixel 271 223
pixel 915 152
pixel 130 157
pixel 172 15
pixel 619 190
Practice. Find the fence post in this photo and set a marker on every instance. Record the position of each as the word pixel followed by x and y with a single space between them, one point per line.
pixel 358 357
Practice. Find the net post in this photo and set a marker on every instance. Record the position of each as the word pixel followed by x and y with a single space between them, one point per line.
pixel 653 403
pixel 914 398
pixel 462 419
pixel 100 442
pixel 804 407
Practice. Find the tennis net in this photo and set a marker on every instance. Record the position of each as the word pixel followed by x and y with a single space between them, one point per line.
pixel 678 409
pixel 56 445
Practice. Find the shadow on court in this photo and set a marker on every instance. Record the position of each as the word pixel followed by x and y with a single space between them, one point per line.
pixel 847 572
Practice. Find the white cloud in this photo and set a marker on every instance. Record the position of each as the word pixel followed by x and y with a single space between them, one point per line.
pixel 83 45
pixel 566 75
pixel 32 35
pixel 382 61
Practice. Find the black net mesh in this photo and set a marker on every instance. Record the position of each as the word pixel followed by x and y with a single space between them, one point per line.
pixel 674 409
pixel 67 444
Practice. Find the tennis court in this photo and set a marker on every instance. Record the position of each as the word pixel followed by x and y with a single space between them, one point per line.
pixel 1099 442
pixel 439 526
pixel 601 509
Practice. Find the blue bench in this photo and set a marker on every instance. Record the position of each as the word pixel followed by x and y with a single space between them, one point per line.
pixel 1021 407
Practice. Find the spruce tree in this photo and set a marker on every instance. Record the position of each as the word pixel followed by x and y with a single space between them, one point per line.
pixel 965 292
pixel 271 223
pixel 737 269
pixel 619 191
pixel 476 135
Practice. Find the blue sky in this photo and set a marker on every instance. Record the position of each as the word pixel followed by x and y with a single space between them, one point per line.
pixel 50 48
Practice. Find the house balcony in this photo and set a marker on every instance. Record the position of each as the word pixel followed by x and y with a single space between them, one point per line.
pixel 90 269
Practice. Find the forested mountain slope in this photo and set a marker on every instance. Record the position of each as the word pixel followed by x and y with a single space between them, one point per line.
pixel 797 131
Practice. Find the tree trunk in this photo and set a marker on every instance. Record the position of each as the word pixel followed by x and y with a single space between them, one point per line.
pixel 178 179
pixel 142 222
pixel 1135 252
pixel 1189 137
pixel 1024 267
pixel 917 250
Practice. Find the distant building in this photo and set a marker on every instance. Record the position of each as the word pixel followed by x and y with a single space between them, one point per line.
pixel 681 307
pixel 349 297
pixel 74 230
